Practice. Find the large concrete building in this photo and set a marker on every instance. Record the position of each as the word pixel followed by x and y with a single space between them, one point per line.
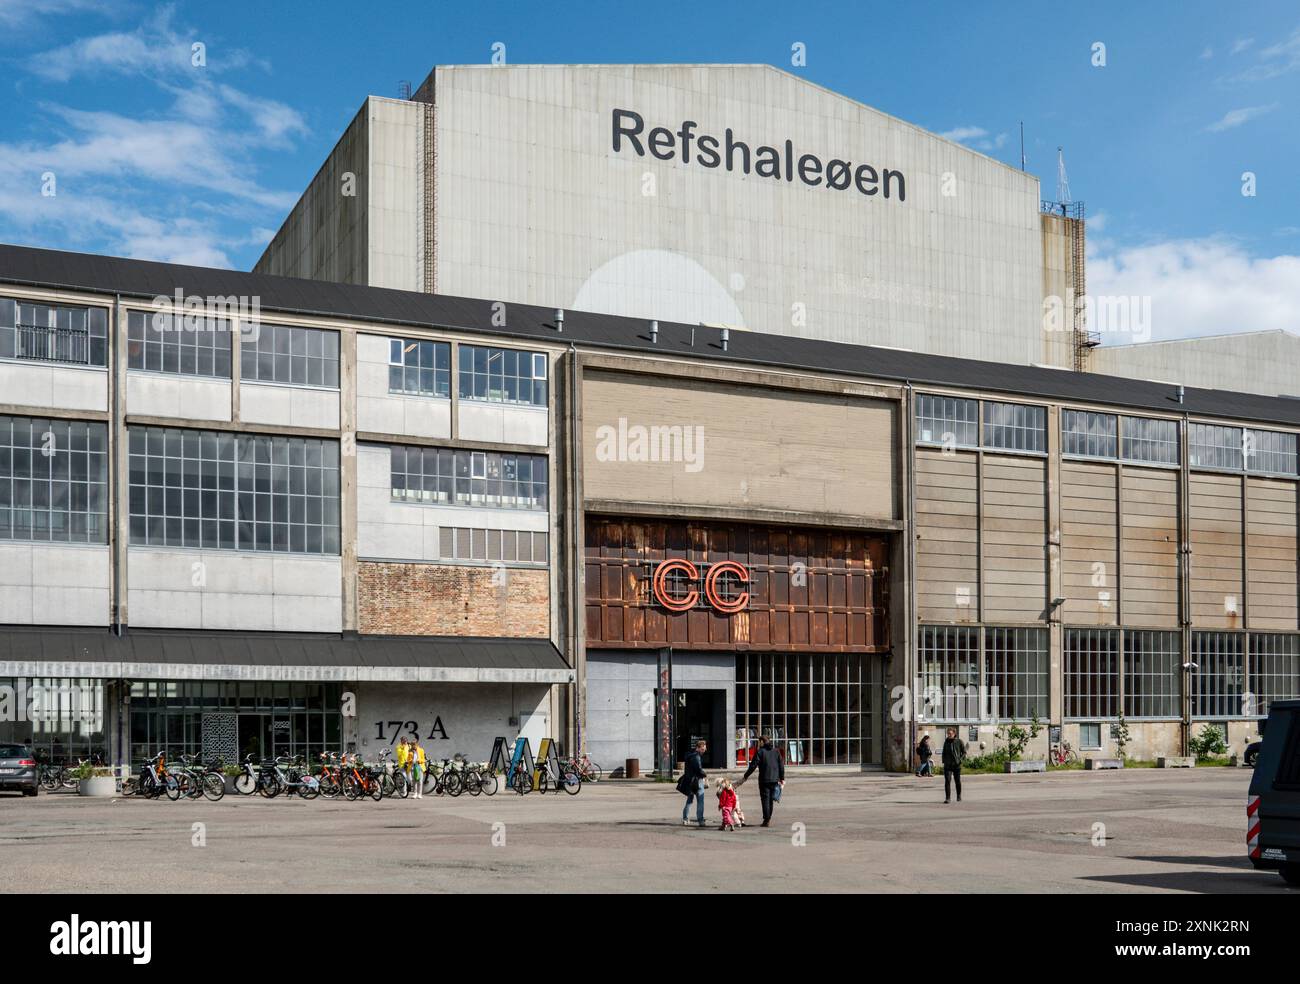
pixel 1265 362
pixel 720 194
pixel 353 513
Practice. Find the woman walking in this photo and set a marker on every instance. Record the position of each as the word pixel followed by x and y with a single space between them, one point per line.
pixel 924 753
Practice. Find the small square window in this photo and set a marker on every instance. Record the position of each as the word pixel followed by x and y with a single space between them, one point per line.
pixel 1090 735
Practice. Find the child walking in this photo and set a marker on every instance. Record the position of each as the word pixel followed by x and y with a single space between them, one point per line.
pixel 727 802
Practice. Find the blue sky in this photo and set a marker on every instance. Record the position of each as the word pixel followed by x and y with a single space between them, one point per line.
pixel 157 159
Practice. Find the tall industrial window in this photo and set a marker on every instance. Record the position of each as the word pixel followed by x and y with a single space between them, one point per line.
pixel 418 367
pixel 502 375
pixel 76 336
pixel 1088 434
pixel 53 480
pixel 1149 440
pixel 217 490
pixel 492 479
pixel 1218 680
pixel 817 709
pixel 1152 674
pixel 1015 427
pixel 1270 452
pixel 1274 671
pixel 947 420
pixel 1016 672
pixel 162 342
pixel 1091 673
pixel 1213 446
pixel 285 354
pixel 948 673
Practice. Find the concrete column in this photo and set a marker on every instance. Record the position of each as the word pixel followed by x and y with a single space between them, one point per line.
pixel 348 476
pixel 1055 579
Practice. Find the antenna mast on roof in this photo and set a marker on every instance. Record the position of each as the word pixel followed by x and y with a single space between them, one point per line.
pixel 1022 145
pixel 1062 181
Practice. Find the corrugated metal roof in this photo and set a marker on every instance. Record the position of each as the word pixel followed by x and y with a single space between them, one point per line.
pixel 65 645
pixel 146 279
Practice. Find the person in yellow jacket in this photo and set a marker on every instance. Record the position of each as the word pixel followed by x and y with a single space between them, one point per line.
pixel 415 754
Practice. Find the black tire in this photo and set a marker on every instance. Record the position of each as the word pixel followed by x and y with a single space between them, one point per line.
pixel 571 782
pixel 270 786
pixel 488 782
pixel 521 782
pixel 328 787
pixel 245 785
pixel 172 787
pixel 49 781
pixel 307 789
pixel 472 782
pixel 376 790
pixel 31 792
pixel 1290 874
pixel 401 786
pixel 351 787
pixel 214 785
pixel 455 783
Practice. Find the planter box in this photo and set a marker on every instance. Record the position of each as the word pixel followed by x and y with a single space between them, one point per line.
pixel 98 786
pixel 1101 763
pixel 1028 766
pixel 1176 762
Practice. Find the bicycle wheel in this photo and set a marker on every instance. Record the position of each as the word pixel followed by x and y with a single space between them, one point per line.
pixel 472 782
pixel 214 785
pixel 68 780
pixel 521 782
pixel 594 773
pixel 172 787
pixel 455 783
pixel 49 781
pixel 488 783
pixel 329 786
pixel 571 782
pixel 246 785
pixel 401 786
pixel 376 790
pixel 270 786
pixel 187 787
pixel 352 787
pixel 308 788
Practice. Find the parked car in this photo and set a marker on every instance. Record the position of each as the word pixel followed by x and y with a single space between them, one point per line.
pixel 18 769
pixel 1252 753
pixel 1273 805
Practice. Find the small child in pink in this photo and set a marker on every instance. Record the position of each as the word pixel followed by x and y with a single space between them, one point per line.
pixel 727 804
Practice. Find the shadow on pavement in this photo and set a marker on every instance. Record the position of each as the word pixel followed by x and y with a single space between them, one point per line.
pixel 1205 882
pixel 1241 864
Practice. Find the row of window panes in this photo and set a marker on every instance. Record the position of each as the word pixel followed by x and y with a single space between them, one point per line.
pixel 446 476
pixel 505 546
pixel 287 354
pixel 218 490
pixel 53 333
pixel 817 709
pixel 53 480
pixel 418 367
pixel 1015 673
pixel 73 733
pixel 1152 667
pixel 501 375
pixel 189 345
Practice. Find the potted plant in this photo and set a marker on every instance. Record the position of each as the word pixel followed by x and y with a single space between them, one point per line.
pixel 1017 739
pixel 231 773
pixel 95 780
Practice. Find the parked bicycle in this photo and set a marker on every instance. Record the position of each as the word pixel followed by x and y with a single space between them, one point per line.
pixel 197 780
pixel 1062 754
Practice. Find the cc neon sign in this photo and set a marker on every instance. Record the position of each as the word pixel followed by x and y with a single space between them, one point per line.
pixel 671 575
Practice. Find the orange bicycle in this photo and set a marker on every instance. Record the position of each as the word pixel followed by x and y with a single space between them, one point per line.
pixel 361 780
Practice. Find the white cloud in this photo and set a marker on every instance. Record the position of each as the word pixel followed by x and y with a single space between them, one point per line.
pixel 1200 286
pixel 1236 117
pixel 156 49
pixel 1241 44
pixel 23 13
pixel 1276 59
pixel 963 133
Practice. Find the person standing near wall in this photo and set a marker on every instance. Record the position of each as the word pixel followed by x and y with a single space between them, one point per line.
pixel 415 757
pixel 954 753
pixel 403 755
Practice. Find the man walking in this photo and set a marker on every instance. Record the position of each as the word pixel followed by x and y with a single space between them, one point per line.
pixel 954 753
pixel 692 783
pixel 771 776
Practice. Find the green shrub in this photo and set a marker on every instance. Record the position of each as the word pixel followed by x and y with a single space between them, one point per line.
pixel 1018 738
pixel 1210 743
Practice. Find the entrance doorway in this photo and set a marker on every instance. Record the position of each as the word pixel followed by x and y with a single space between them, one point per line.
pixel 701 714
